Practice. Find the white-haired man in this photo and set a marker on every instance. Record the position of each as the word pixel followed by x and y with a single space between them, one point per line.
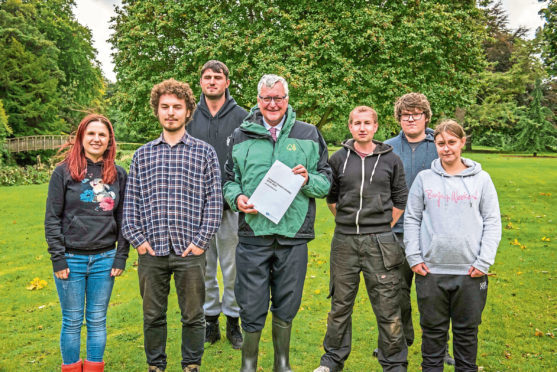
pixel 271 259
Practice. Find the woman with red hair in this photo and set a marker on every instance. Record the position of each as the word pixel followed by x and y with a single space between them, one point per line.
pixel 82 227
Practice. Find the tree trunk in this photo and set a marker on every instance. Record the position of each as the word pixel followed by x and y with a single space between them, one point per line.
pixel 325 118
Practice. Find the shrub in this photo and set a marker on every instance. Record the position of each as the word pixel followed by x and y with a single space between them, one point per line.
pixel 31 174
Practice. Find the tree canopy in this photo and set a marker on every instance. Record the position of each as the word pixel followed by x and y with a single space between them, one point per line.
pixel 550 36
pixel 48 71
pixel 335 55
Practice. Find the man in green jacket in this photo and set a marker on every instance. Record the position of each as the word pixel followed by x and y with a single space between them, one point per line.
pixel 271 259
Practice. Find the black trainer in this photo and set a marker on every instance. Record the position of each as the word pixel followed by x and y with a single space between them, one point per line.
pixel 233 332
pixel 448 359
pixel 212 329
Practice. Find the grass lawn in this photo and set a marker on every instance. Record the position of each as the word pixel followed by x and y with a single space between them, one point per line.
pixel 519 320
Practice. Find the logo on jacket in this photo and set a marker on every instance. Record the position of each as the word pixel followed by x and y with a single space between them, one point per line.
pixel 483 286
pixel 291 147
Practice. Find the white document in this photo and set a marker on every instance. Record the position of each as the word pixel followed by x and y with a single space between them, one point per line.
pixel 276 191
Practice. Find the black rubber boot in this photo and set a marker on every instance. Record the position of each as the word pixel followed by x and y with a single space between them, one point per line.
pixel 233 333
pixel 212 330
pixel 250 349
pixel 281 343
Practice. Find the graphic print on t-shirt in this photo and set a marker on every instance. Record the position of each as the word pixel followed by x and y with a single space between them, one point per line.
pixel 96 191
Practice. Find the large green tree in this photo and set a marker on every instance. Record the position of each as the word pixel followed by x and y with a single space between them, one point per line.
pixel 48 71
pixel 503 103
pixel 334 54
pixel 82 84
pixel 550 36
pixel 29 71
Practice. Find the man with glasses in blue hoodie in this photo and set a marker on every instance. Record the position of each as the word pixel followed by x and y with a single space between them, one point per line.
pixel 414 145
pixel 215 119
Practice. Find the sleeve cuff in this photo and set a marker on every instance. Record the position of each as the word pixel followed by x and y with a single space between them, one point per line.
pixel 136 241
pixel 200 243
pixel 119 263
pixel 414 259
pixel 481 266
pixel 59 265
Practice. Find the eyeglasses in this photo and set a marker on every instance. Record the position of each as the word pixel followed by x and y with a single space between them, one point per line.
pixel 416 116
pixel 278 100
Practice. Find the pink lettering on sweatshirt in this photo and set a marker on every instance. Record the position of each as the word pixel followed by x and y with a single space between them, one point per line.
pixel 454 197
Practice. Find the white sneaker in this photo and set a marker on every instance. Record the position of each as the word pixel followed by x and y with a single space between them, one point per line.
pixel 322 369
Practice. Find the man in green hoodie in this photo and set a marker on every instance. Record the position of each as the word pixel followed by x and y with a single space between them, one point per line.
pixel 271 259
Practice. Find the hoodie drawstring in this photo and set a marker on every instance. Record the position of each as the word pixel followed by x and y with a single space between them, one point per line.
pixel 346 161
pixel 375 166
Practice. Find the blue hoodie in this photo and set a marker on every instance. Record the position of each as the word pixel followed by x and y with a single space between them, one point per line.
pixel 452 222
pixel 414 161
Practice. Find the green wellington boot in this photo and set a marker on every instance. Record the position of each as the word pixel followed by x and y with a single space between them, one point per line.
pixel 250 349
pixel 281 343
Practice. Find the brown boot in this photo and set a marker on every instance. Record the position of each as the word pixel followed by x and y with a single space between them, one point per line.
pixel 74 367
pixel 93 366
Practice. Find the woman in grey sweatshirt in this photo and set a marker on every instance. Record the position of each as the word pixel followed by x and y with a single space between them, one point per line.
pixel 452 228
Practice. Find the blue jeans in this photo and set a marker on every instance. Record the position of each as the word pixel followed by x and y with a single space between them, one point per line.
pixel 88 288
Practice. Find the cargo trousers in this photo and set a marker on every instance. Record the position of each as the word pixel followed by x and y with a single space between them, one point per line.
pixel 377 256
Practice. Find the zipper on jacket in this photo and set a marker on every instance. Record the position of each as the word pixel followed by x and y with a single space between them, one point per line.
pixel 361 196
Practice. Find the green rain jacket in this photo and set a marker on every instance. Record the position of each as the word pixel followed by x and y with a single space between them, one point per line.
pixel 252 152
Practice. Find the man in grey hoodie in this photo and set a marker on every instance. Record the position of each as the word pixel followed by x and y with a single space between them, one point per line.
pixel 216 117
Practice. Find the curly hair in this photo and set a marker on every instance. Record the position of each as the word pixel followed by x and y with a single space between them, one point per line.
pixel 412 101
pixel 179 89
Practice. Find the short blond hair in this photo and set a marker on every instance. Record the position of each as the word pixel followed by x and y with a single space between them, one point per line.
pixel 359 109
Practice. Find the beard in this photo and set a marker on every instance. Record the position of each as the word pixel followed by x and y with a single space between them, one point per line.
pixel 174 127
pixel 213 97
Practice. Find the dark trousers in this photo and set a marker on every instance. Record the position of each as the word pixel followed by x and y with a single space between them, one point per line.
pixel 274 273
pixel 445 298
pixel 154 284
pixel 350 256
pixel 406 275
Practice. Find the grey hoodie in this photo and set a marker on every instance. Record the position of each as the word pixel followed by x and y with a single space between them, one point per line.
pixel 452 222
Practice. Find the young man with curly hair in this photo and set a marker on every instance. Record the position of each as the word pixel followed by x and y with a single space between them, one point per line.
pixel 172 209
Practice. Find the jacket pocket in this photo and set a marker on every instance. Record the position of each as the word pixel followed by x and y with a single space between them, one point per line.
pixel 91 232
pixel 390 250
pixel 450 249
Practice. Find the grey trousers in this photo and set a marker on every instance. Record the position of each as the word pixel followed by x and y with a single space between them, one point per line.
pixel 222 249
pixel 350 256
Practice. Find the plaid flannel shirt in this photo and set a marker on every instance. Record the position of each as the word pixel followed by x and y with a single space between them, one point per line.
pixel 173 195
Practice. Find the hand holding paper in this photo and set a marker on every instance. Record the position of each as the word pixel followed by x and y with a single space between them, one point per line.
pixel 277 190
pixel 244 205
pixel 302 171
